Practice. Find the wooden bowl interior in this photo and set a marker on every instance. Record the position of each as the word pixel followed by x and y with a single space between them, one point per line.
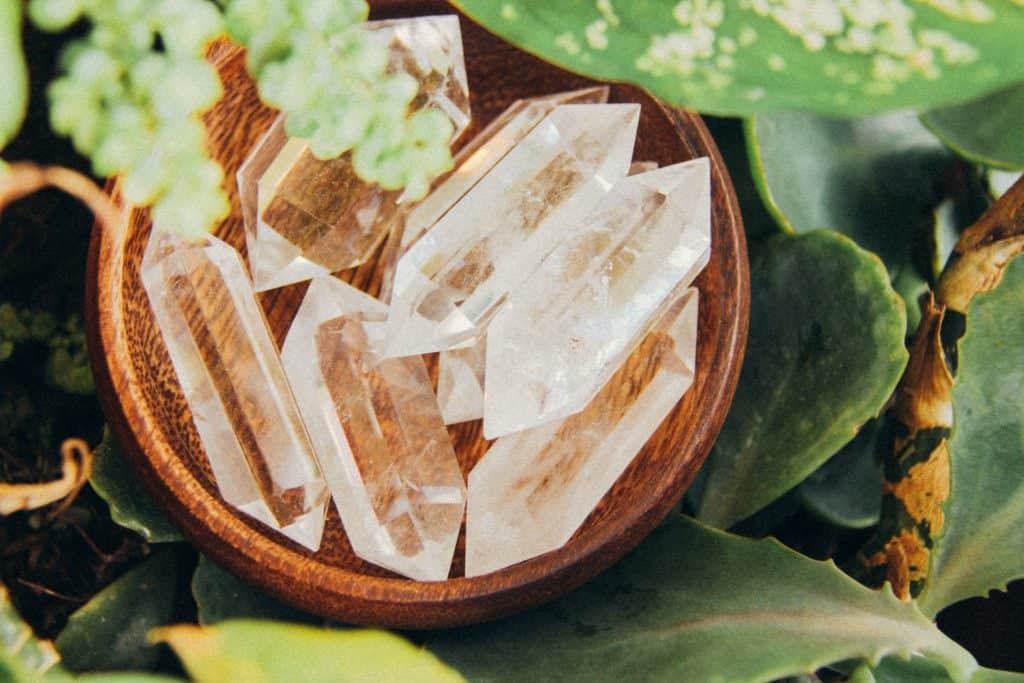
pixel 152 420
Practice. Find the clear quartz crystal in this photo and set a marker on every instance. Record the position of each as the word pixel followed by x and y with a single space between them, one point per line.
pixel 454 277
pixel 305 217
pixel 231 376
pixel 378 433
pixel 562 334
pixel 460 383
pixel 533 490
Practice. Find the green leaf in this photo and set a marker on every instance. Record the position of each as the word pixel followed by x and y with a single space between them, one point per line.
pixel 980 545
pixel 847 489
pixel 14 94
pixel 269 651
pixel 110 631
pixel 987 131
pixel 824 352
pixel 874 179
pixel 220 596
pixel 731 142
pixel 130 506
pixel 695 604
pixel 923 670
pixel 740 58
pixel 23 657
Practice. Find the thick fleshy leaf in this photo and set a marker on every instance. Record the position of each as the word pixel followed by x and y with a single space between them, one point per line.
pixel 744 57
pixel 110 631
pixel 130 506
pixel 874 179
pixel 220 596
pixel 695 604
pixel 981 545
pixel 987 131
pixel 847 489
pixel 824 352
pixel 269 651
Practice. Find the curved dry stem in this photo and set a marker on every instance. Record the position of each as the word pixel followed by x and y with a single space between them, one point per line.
pixel 77 467
pixel 25 178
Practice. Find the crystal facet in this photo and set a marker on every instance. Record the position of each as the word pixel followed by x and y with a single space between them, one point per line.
pixel 562 334
pixel 471 164
pixel 305 217
pixel 378 433
pixel 532 490
pixel 454 277
pixel 460 383
pixel 229 370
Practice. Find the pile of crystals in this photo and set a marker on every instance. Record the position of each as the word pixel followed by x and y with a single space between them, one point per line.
pixel 553 277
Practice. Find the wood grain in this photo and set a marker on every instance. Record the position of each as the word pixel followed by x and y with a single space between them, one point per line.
pixel 147 412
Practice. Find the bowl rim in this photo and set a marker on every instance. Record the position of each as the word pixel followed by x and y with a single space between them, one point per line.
pixel 339 592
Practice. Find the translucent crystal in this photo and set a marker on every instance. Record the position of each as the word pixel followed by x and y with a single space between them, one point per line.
pixel 305 217
pixel 231 376
pixel 460 383
pixel 532 490
pixel 642 167
pixel 378 433
pixel 454 277
pixel 471 164
pixel 595 296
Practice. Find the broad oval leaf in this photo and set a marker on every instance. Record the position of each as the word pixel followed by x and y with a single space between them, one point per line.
pixel 695 604
pixel 980 548
pixel 129 504
pixel 768 55
pixel 221 596
pixel 874 179
pixel 110 631
pixel 269 651
pixel 824 352
pixel 987 131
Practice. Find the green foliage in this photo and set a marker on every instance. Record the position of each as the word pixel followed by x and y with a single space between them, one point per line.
pixel 129 505
pixel 221 596
pixel 68 363
pixel 695 604
pixel 14 94
pixel 874 179
pixel 131 96
pixel 22 656
pixel 987 131
pixel 846 490
pixel 980 545
pixel 268 651
pixel 738 58
pixel 923 670
pixel 332 82
pixel 824 352
pixel 111 630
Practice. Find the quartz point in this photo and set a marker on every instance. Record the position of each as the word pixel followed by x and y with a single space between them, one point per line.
pixel 532 490
pixel 460 383
pixel 595 296
pixel 306 217
pixel 229 371
pixel 378 433
pixel 471 164
pixel 455 276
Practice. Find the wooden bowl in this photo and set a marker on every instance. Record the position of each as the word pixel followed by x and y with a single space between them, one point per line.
pixel 147 412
